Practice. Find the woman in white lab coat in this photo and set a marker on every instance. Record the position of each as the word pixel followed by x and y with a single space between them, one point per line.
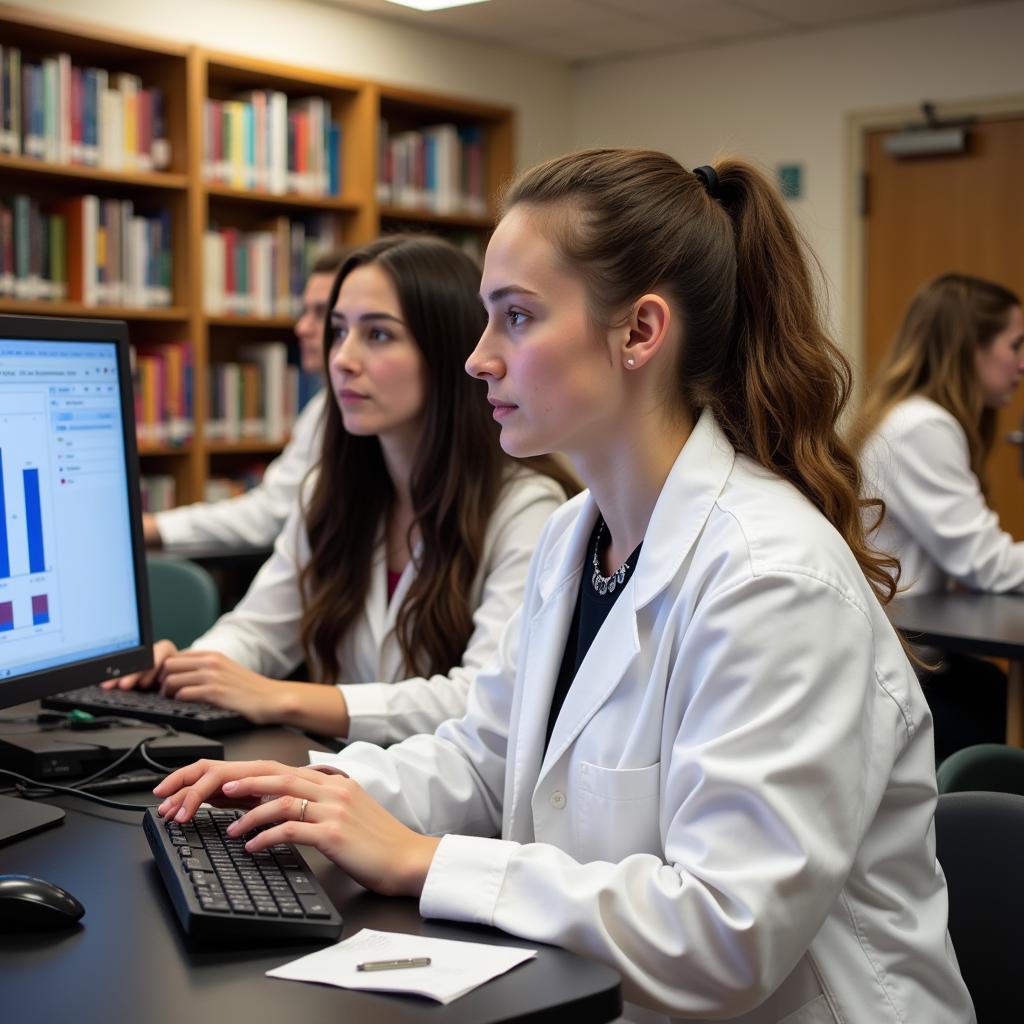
pixel 925 433
pixel 702 745
pixel 398 568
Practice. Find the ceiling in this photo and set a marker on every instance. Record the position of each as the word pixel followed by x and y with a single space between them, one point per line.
pixel 582 31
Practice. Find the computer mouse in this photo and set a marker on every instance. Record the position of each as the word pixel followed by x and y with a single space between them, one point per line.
pixel 28 903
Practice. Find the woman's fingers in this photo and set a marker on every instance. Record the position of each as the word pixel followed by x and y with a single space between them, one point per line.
pixel 188 787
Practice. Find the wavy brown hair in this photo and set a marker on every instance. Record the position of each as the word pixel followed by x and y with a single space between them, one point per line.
pixel 754 350
pixel 458 473
pixel 933 355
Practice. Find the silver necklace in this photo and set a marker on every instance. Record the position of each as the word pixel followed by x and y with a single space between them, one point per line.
pixel 606 584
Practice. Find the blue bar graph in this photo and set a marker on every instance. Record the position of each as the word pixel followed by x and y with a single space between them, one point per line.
pixel 5 553
pixel 34 521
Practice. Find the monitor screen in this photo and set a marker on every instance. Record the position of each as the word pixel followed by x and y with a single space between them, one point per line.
pixel 73 597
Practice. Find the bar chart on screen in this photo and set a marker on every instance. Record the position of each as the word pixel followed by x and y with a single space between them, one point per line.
pixel 27 569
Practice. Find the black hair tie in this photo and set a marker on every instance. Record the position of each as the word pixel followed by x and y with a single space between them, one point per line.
pixel 709 179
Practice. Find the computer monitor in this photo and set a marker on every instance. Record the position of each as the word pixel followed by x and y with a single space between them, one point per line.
pixel 74 603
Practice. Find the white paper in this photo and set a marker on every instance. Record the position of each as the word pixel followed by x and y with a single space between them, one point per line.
pixel 455 967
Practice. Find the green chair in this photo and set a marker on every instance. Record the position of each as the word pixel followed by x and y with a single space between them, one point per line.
pixel 183 597
pixel 987 766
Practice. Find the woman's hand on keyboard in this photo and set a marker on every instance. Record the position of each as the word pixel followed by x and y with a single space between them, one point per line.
pixel 162 650
pixel 219 680
pixel 332 813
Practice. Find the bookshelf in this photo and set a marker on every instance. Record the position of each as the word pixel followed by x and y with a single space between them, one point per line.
pixel 228 203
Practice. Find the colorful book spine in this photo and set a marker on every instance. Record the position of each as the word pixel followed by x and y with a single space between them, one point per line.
pixel 254 398
pixel 263 140
pixel 263 273
pixel 439 168
pixel 163 393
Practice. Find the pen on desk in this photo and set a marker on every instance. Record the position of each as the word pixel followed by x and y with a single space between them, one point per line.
pixel 394 965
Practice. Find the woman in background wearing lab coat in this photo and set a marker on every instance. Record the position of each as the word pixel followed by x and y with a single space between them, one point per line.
pixel 925 433
pixel 407 553
pixel 702 744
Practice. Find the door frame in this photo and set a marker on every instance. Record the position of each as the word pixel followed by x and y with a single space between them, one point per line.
pixel 858 125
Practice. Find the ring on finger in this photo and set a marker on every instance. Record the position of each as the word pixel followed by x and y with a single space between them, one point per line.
pixel 302 810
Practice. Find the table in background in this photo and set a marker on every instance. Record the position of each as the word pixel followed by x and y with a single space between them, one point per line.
pixel 986 625
pixel 129 961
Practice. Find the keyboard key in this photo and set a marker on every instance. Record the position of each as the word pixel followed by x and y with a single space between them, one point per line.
pixel 315 906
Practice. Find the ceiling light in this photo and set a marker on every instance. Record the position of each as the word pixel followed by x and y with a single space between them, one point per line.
pixel 435 5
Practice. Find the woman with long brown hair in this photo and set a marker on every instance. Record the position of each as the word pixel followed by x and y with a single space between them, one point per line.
pixel 702 741
pixel 408 551
pixel 925 433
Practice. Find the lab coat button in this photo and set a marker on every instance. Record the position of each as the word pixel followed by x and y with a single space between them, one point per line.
pixel 557 800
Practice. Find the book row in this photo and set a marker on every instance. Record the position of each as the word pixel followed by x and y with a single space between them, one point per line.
pixel 263 140
pixel 258 397
pixel 56 111
pixel 162 376
pixel 84 249
pixel 263 273
pixel 255 398
pixel 440 168
pixel 159 491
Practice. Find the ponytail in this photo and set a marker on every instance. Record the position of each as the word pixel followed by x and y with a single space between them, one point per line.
pixel 724 248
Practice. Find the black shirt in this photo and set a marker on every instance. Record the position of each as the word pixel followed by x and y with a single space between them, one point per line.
pixel 592 608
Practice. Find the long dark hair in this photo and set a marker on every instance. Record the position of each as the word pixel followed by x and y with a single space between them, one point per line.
pixel 933 354
pixel 754 350
pixel 457 476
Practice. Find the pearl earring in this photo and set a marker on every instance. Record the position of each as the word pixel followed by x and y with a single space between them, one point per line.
pixel 631 362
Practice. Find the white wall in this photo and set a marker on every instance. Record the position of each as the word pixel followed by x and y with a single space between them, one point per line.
pixel 787 100
pixel 323 36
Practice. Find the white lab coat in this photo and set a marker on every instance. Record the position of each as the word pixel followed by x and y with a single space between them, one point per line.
pixel 937 521
pixel 384 704
pixel 735 809
pixel 255 518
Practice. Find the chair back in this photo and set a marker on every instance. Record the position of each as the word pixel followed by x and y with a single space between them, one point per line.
pixel 183 597
pixel 993 767
pixel 980 845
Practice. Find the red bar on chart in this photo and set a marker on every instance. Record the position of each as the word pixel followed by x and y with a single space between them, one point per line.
pixel 6 615
pixel 40 609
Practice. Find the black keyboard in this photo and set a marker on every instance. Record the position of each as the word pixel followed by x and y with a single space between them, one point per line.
pixel 220 891
pixel 149 706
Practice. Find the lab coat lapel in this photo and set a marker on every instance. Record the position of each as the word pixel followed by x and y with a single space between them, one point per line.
pixel 690 492
pixel 545 636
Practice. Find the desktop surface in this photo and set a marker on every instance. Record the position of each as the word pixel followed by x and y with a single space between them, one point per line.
pixel 988 625
pixel 129 961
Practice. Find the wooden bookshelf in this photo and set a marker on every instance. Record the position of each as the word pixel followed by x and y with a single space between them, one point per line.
pixel 188 76
pixel 243 447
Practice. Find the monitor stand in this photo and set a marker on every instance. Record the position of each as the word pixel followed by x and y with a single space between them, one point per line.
pixel 19 818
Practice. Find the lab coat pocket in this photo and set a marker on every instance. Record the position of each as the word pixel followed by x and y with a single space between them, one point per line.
pixel 617 812
pixel 817 1011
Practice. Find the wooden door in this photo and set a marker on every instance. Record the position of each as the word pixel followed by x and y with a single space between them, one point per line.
pixel 933 214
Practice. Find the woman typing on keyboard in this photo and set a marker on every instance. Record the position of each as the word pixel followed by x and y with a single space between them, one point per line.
pixel 701 743
pixel 408 550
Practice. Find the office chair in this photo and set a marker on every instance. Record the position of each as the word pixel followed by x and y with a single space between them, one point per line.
pixel 993 767
pixel 183 598
pixel 980 845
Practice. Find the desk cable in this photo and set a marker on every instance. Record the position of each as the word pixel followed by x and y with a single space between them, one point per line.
pixel 31 789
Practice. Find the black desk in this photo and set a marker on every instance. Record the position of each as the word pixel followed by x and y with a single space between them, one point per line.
pixel 987 625
pixel 129 962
